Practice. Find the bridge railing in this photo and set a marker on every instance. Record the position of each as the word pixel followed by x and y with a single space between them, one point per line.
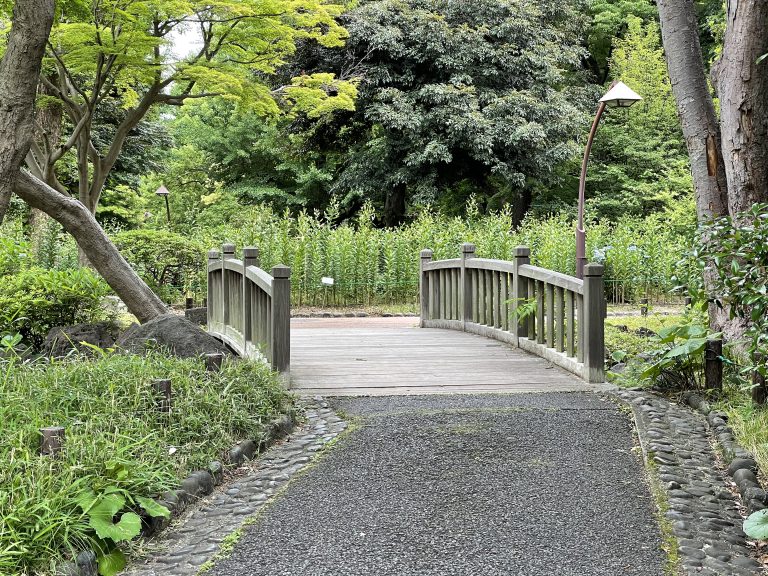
pixel 249 308
pixel 552 315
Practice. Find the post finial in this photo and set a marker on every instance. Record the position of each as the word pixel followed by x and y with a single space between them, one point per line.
pixel 427 254
pixel 522 252
pixel 214 255
pixel 467 248
pixel 594 270
pixel 227 249
pixel 281 271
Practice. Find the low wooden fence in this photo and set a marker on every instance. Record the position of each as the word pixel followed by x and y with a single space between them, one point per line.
pixel 248 308
pixel 487 297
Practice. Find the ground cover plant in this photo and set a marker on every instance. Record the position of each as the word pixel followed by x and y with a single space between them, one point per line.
pixel 119 452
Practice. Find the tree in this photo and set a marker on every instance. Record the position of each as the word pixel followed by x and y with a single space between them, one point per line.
pixel 103 52
pixel 729 154
pixel 456 98
pixel 24 51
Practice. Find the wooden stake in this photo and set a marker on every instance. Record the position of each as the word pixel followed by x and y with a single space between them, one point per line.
pixel 643 306
pixel 713 365
pixel 52 440
pixel 759 389
pixel 162 390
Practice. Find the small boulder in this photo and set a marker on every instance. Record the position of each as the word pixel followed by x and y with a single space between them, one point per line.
pixel 61 340
pixel 174 333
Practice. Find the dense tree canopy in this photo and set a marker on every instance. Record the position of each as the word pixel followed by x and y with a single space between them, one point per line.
pixel 455 99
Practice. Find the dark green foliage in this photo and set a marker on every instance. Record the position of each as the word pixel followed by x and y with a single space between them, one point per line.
pixel 169 263
pixel 119 450
pixel 738 249
pixel 34 300
pixel 458 98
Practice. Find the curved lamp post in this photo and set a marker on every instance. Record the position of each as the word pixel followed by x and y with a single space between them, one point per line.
pixel 163 191
pixel 619 96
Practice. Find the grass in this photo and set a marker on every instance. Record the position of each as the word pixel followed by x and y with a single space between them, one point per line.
pixel 115 439
pixel 749 423
pixel 630 335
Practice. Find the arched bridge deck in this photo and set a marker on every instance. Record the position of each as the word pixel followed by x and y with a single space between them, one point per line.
pixel 485 326
pixel 393 356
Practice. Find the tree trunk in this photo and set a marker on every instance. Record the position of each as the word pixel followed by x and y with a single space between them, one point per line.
pixel 102 253
pixel 394 207
pixel 680 35
pixel 19 73
pixel 742 86
pixel 522 205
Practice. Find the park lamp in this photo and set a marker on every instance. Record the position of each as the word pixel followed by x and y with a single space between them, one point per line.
pixel 163 193
pixel 618 96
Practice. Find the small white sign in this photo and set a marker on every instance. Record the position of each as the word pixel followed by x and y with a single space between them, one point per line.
pixel 326 281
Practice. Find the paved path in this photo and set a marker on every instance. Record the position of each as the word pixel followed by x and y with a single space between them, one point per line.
pixel 390 356
pixel 521 484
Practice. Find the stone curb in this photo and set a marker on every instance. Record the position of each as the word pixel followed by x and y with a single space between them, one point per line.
pixel 197 536
pixel 742 467
pixel 701 512
pixel 198 484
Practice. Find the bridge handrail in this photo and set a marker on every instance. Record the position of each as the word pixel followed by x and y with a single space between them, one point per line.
pixel 482 296
pixel 249 308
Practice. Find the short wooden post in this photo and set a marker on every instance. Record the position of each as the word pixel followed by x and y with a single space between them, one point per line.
pixel 688 301
pixel 713 365
pixel 52 440
pixel 522 256
pixel 189 303
pixel 466 296
pixel 424 293
pixel 643 306
pixel 250 258
pixel 227 253
pixel 759 389
pixel 594 324
pixel 214 361
pixel 162 390
pixel 213 257
pixel 281 319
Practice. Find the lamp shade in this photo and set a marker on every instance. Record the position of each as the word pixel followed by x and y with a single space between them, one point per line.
pixel 621 96
pixel 162 191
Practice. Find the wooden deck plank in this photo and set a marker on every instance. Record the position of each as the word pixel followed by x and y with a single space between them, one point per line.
pixel 392 356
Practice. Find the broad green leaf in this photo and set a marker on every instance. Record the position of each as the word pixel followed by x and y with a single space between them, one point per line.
pixel 689 347
pixel 756 525
pixel 112 563
pixel 153 508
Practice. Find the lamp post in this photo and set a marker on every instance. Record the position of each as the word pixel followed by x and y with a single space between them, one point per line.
pixel 163 191
pixel 619 96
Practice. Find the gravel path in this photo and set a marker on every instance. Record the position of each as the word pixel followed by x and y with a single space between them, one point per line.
pixel 474 485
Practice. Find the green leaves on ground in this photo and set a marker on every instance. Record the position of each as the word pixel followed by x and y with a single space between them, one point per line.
pixel 756 525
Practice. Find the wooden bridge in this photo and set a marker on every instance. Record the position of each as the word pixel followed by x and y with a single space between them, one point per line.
pixel 485 326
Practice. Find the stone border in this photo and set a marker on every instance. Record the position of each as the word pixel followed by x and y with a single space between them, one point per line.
pixel 196 538
pixel 700 514
pixel 742 467
pixel 193 488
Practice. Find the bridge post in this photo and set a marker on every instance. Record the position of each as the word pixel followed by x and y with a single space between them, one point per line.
pixel 519 291
pixel 467 252
pixel 594 324
pixel 227 252
pixel 213 256
pixel 426 257
pixel 281 319
pixel 250 258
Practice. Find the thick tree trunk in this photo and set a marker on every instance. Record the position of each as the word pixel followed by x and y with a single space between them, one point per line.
pixel 680 35
pixel 19 73
pixel 742 86
pixel 102 253
pixel 394 207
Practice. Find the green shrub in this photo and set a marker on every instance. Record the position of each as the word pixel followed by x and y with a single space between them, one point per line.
pixel 171 264
pixel 116 444
pixel 738 248
pixel 34 300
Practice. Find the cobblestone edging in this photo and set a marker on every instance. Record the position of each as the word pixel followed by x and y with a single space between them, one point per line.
pixel 195 539
pixel 742 466
pixel 703 512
